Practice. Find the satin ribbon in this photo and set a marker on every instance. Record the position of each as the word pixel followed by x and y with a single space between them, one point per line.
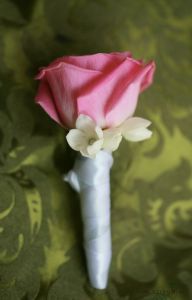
pixel 91 179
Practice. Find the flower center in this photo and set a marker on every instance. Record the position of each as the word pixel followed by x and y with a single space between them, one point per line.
pixel 91 141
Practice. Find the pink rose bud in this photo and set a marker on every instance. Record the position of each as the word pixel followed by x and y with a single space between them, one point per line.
pixel 103 86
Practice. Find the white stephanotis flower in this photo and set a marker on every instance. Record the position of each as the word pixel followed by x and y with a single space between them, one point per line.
pixel 89 139
pixel 86 138
pixel 112 138
pixel 135 129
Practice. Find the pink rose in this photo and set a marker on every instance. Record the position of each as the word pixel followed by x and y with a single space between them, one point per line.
pixel 103 86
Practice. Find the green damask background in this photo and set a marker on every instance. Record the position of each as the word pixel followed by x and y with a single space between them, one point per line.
pixel 41 254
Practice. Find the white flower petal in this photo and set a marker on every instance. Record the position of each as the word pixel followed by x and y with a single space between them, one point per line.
pixel 112 139
pixel 134 123
pixel 76 139
pixel 95 147
pixel 137 135
pixel 84 152
pixel 85 124
pixel 134 129
pixel 99 132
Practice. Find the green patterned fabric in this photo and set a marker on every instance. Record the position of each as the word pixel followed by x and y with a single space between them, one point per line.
pixel 41 253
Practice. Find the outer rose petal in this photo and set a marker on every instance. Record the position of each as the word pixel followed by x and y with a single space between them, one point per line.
pixel 97 62
pixel 123 106
pixel 95 100
pixel 45 99
pixel 65 81
pixel 148 76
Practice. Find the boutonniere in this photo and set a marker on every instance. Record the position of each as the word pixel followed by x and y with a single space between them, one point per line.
pixel 94 97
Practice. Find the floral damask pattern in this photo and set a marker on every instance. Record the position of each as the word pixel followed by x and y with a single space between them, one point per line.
pixel 41 255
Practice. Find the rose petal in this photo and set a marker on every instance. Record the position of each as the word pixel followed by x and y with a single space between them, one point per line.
pixel 45 100
pixel 65 81
pixel 147 77
pixel 97 99
pixel 76 139
pixel 98 61
pixel 123 103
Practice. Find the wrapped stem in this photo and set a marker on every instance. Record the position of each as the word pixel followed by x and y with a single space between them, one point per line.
pixel 91 178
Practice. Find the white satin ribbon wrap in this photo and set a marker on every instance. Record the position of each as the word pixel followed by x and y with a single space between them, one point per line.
pixel 91 178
